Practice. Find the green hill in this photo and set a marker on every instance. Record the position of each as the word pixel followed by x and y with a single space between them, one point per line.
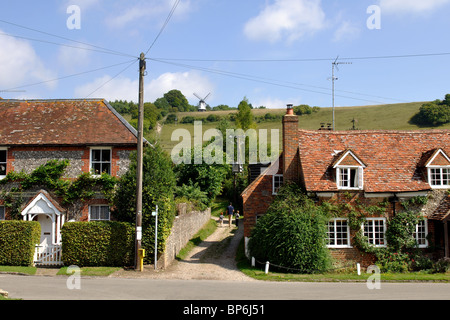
pixel 377 117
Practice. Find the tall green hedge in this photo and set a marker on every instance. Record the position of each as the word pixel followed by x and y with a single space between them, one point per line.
pixel 99 243
pixel 17 242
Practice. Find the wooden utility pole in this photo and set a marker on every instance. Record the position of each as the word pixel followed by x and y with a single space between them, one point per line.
pixel 139 168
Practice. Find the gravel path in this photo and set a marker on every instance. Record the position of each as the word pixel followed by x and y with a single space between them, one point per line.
pixel 213 259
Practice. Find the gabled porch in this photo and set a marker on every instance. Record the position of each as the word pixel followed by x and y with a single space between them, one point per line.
pixel 44 209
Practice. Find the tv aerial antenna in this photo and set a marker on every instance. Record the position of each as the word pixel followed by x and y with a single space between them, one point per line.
pixel 202 104
pixel 334 65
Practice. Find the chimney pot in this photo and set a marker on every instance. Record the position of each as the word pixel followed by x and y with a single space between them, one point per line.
pixel 290 109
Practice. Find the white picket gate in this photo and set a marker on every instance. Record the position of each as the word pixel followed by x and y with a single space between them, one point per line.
pixel 48 255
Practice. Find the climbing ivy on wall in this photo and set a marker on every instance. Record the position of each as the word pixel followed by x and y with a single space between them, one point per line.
pixel 50 177
pixel 401 253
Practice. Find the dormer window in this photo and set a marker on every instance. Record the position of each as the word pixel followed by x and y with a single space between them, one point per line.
pixel 349 171
pixel 438 170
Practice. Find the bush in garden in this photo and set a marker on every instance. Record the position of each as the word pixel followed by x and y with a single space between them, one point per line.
pixel 292 233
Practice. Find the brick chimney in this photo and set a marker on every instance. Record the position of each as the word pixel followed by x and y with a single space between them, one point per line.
pixel 290 145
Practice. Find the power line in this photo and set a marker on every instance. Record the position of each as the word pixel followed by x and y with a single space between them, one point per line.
pixel 123 70
pixel 274 82
pixel 65 77
pixel 97 48
pixel 309 59
pixel 174 7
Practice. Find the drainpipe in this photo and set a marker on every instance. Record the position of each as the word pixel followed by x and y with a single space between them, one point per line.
pixel 394 201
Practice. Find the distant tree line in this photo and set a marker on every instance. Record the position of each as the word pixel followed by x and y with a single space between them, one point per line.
pixel 433 113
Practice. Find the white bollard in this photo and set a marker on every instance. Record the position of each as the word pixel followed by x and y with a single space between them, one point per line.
pixel 266 269
pixel 358 269
pixel 253 261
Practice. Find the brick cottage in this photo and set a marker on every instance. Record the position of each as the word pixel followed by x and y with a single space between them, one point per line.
pixel 376 167
pixel 88 133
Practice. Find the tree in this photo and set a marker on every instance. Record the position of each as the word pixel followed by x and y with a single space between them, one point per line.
pixel 244 117
pixel 158 189
pixel 433 113
pixel 177 100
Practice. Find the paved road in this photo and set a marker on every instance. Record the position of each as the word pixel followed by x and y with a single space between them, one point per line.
pixel 55 288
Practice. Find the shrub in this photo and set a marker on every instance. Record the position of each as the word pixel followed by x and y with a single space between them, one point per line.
pixel 105 243
pixel 17 242
pixel 441 266
pixel 158 189
pixel 292 233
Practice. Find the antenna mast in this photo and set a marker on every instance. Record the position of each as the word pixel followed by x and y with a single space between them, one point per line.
pixel 334 65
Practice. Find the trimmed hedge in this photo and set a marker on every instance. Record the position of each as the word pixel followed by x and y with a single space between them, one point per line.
pixel 17 242
pixel 98 243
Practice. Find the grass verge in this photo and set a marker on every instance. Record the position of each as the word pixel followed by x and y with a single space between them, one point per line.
pixel 18 269
pixel 258 273
pixel 204 233
pixel 91 271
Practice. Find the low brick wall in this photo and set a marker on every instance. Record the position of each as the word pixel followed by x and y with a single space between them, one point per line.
pixel 185 226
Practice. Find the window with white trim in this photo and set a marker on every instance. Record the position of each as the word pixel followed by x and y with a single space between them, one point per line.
pixel 375 229
pixel 277 182
pixel 2 213
pixel 3 162
pixel 100 161
pixel 349 177
pixel 421 234
pixel 439 177
pixel 338 233
pixel 99 213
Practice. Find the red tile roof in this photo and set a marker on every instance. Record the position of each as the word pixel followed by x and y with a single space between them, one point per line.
pixel 394 159
pixel 62 122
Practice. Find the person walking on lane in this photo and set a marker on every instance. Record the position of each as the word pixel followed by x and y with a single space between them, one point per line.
pixel 230 211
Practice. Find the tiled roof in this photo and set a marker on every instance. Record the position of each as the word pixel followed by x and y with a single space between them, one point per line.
pixel 394 159
pixel 62 122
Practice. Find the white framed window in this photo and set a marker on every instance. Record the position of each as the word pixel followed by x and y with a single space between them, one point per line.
pixel 100 160
pixel 349 177
pixel 3 162
pixel 338 233
pixel 277 182
pixel 375 229
pixel 421 233
pixel 99 213
pixel 439 177
pixel 2 213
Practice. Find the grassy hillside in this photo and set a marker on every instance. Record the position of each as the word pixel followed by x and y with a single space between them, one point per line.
pixel 379 117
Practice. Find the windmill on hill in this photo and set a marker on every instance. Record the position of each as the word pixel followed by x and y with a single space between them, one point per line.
pixel 202 103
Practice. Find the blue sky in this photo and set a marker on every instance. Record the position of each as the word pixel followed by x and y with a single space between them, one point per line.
pixel 273 52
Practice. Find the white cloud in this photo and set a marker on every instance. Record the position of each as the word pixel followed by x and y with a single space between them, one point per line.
pixel 186 82
pixel 122 88
pixel 286 20
pixel 346 31
pixel 146 11
pixel 411 6
pixel 20 65
pixel 70 59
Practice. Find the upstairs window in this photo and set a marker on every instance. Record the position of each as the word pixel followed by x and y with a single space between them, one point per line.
pixel 349 171
pixel 277 182
pixel 100 161
pixel 438 170
pixel 3 162
pixel 349 178
pixel 439 177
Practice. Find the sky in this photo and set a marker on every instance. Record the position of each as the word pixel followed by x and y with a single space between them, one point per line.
pixel 272 52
